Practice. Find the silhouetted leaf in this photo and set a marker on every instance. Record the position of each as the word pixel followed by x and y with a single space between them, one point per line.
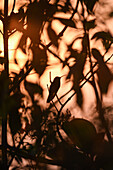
pixel 52 35
pixel 105 80
pixel 79 97
pixel 33 89
pixel 14 104
pixel 16 20
pixel 111 14
pixel 81 132
pixel 51 9
pixel 66 7
pixel 17 77
pixel 106 38
pixel 77 71
pixel 39 60
pixel 37 116
pixel 67 22
pixel 2 60
pixel 90 24
pixel 35 18
pixel 89 4
pixel 22 43
pixel 14 121
pixel 102 35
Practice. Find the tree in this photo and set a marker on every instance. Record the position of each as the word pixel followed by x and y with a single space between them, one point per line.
pixel 38 133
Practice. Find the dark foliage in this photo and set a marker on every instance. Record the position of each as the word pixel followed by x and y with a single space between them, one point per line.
pixel 37 132
pixel 103 82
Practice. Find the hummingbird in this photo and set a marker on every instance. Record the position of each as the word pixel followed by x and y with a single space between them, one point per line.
pixel 54 87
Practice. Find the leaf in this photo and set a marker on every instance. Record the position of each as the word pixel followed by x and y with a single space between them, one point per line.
pixel 79 97
pixel 77 71
pixel 97 55
pixel 52 35
pixel 32 89
pixel 67 7
pixel 35 18
pixel 39 59
pixel 14 104
pixel 111 14
pixel 22 42
pixel 14 121
pixel 50 10
pixel 105 80
pixel 67 22
pixel 102 35
pixel 106 38
pixel 16 20
pixel 90 24
pixel 81 132
pixel 37 118
pixel 89 4
pixel 2 60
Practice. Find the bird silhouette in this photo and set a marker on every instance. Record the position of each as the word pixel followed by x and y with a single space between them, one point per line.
pixel 54 87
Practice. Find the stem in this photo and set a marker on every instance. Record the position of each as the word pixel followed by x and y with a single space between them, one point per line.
pixel 13 5
pixel 21 79
pixel 58 99
pixel 6 69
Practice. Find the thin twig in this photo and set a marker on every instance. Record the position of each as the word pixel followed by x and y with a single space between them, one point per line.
pixel 47 48
pixel 58 99
pixel 1 32
pixel 13 6
pixel 2 18
pixel 54 105
pixel 21 79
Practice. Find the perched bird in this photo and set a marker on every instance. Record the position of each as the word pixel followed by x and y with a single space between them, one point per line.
pixel 54 87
